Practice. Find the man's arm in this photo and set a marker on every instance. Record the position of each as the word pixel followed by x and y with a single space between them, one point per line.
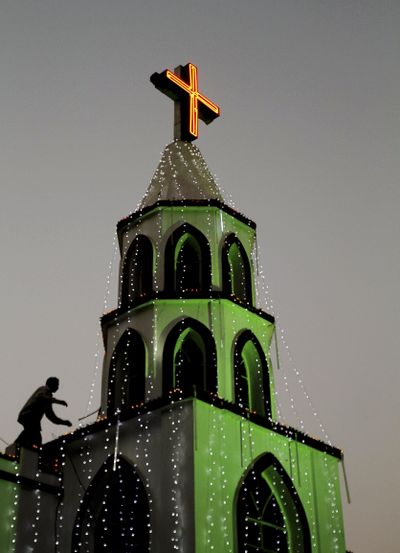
pixel 50 414
pixel 59 402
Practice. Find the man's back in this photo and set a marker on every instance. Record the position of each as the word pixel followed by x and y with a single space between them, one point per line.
pixel 36 406
pixel 40 403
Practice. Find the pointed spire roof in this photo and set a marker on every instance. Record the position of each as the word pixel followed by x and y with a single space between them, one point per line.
pixel 182 174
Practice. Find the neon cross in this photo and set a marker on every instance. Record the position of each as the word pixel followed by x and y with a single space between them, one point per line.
pixel 190 105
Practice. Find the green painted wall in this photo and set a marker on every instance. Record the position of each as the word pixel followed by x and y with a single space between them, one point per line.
pixel 226 445
pixel 8 500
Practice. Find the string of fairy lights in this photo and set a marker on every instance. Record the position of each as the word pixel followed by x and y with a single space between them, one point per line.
pixel 220 496
pixel 176 429
pixel 14 511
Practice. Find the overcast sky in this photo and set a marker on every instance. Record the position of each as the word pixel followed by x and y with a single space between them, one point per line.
pixel 308 145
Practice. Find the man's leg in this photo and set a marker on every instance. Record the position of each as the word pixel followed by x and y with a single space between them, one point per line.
pixel 30 436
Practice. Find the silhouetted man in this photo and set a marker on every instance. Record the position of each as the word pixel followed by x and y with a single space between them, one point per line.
pixel 40 403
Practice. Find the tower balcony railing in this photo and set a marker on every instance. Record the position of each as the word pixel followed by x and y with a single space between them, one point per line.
pixel 186 295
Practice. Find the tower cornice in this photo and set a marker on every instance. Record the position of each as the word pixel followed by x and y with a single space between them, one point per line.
pixel 174 400
pixel 141 303
pixel 139 215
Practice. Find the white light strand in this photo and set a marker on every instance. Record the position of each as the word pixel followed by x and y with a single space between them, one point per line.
pixel 177 461
pixel 14 512
pixel 109 275
pixel 59 512
pixel 281 333
pixel 212 482
pixel 334 523
pixel 223 479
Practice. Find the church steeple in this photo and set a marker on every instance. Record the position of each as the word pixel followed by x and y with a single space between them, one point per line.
pixel 187 255
pixel 187 453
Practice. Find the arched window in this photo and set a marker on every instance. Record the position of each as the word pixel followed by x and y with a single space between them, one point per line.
pixel 189 358
pixel 114 514
pixel 251 378
pixel 270 516
pixel 236 270
pixel 137 272
pixel 187 261
pixel 127 374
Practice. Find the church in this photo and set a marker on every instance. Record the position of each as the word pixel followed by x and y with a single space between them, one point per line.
pixel 187 454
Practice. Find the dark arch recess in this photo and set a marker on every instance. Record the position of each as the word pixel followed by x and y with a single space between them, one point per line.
pixel 243 293
pixel 137 278
pixel 125 511
pixel 259 383
pixel 129 356
pixel 249 479
pixel 202 280
pixel 207 366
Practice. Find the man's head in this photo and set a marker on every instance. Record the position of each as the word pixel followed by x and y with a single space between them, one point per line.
pixel 53 383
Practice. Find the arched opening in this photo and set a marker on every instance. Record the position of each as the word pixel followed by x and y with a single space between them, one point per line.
pixel 189 358
pixel 236 270
pixel 251 377
pixel 137 273
pixel 269 514
pixel 114 514
pixel 127 374
pixel 187 261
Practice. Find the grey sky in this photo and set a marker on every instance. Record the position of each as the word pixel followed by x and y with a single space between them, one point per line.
pixel 308 146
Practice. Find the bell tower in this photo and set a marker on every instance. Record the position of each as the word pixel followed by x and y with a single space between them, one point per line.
pixel 185 269
pixel 187 453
